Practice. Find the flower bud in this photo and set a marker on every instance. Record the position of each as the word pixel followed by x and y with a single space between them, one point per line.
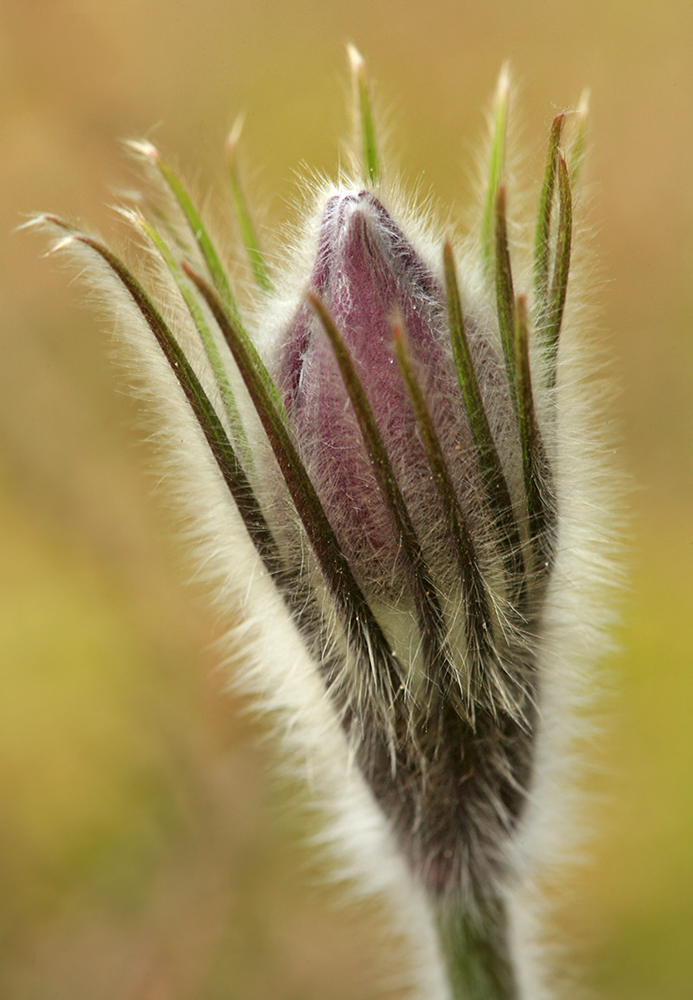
pixel 450 767
pixel 419 516
pixel 366 272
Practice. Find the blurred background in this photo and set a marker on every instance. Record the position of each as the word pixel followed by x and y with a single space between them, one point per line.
pixel 147 849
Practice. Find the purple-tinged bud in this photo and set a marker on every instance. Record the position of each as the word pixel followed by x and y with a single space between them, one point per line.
pixel 450 769
pixel 366 272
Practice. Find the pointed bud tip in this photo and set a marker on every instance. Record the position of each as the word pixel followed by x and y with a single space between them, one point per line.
pixel 583 108
pixel 61 244
pixel 47 220
pixel 131 215
pixel 503 85
pixel 234 135
pixel 36 221
pixel 144 148
pixel 356 60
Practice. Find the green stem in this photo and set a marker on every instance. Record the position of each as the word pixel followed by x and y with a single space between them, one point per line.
pixel 476 953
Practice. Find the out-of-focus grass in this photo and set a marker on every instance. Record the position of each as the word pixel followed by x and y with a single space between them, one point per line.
pixel 641 890
pixel 141 855
pixel 73 692
pixel 145 854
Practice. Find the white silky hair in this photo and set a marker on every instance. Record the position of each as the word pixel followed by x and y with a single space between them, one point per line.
pixel 269 657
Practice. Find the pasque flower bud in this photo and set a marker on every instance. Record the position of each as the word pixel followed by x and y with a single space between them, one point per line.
pixel 394 467
pixel 450 768
pixel 366 274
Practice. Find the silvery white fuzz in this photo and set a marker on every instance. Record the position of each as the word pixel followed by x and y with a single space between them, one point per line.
pixel 393 470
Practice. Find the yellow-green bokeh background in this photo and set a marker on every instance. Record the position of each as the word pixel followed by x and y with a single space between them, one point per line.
pixel 146 852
